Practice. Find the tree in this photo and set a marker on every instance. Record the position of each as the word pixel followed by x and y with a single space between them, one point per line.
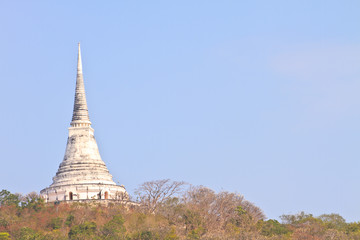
pixel 295 218
pixel 171 235
pixel 211 215
pixel 333 221
pixel 114 229
pixel 26 233
pixel 33 201
pixel 4 224
pixel 333 234
pixel 272 227
pixel 172 209
pixel 353 227
pixel 69 220
pixel 304 226
pixel 154 193
pixel 86 230
pixel 7 198
pixel 55 223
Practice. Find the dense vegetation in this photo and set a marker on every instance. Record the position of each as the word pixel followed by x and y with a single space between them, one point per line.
pixel 166 211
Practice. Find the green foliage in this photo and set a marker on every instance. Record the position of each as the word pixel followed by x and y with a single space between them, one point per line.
pixel 171 235
pixel 30 201
pixel 296 218
pixel 69 220
pixel 4 236
pixel 55 223
pixel 114 229
pixel 333 221
pixel 352 227
pixel 171 209
pixel 26 233
pixel 192 220
pixel 4 223
pixel 33 201
pixel 7 198
pixel 87 230
pixel 200 214
pixel 196 233
pixel 240 210
pixel 144 235
pixel 272 227
pixel 242 217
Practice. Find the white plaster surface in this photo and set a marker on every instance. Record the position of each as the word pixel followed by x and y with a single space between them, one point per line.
pixel 82 174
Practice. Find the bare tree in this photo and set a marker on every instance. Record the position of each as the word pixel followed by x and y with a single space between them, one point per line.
pixel 214 213
pixel 154 193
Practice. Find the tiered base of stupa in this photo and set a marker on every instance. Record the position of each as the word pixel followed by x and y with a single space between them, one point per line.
pixel 82 175
pixel 85 192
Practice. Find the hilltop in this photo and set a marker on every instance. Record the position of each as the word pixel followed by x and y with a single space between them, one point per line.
pixel 167 210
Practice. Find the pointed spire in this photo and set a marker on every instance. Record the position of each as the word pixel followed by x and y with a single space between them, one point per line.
pixel 80 113
pixel 79 65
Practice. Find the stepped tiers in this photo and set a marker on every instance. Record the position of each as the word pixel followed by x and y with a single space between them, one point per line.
pixel 82 175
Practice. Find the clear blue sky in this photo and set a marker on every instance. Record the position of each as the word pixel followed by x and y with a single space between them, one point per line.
pixel 257 97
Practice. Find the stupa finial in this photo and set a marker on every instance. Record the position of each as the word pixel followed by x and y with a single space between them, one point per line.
pixel 80 113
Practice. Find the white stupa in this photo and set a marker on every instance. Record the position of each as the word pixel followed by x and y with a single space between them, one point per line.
pixel 82 175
